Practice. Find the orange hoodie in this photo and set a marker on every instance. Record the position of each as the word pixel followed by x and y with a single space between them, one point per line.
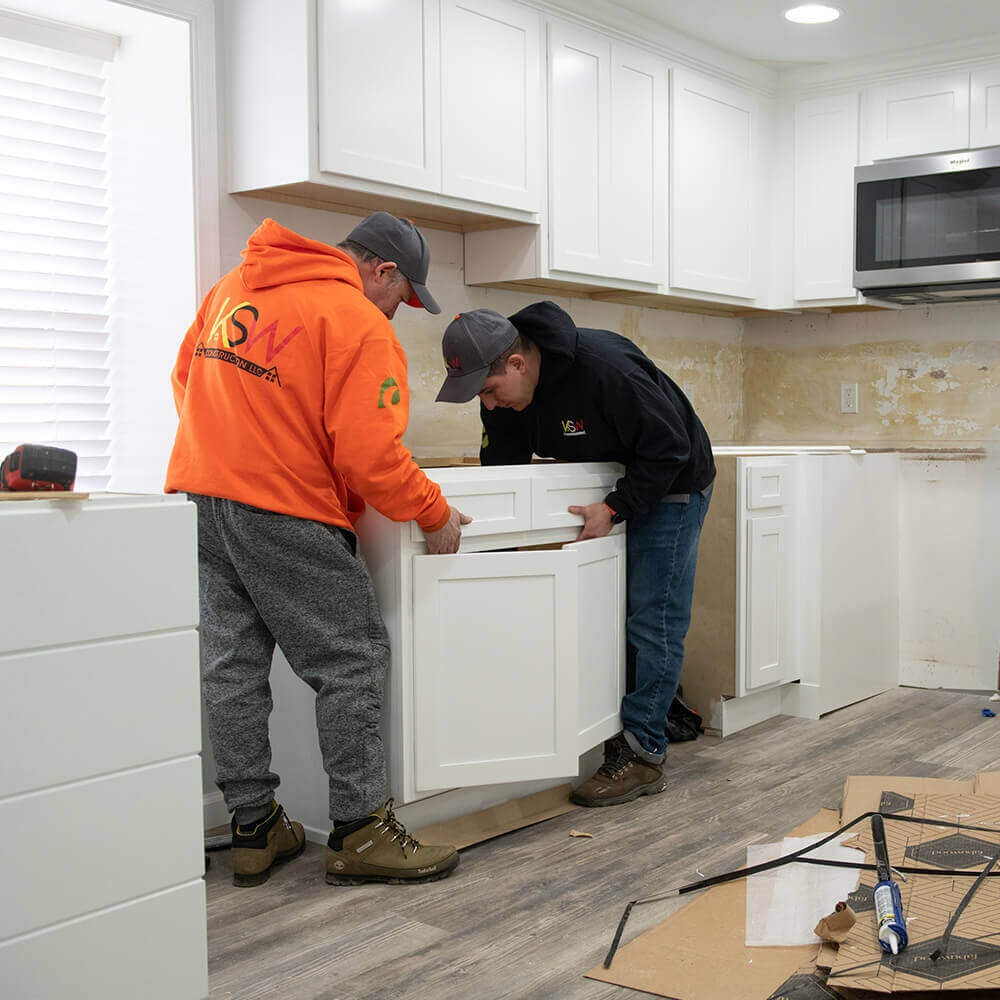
pixel 291 392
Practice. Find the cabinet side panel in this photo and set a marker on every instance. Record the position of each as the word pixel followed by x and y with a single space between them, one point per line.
pixel 709 671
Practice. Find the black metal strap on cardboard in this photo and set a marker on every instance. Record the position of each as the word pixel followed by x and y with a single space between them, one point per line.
pixel 797 856
pixel 946 937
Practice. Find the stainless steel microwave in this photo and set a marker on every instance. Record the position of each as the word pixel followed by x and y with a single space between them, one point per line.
pixel 927 228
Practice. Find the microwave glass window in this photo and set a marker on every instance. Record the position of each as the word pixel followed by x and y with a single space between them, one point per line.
pixel 922 221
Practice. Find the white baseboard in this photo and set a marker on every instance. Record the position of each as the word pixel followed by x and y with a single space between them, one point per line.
pixel 936 674
pixel 802 700
pixel 213 810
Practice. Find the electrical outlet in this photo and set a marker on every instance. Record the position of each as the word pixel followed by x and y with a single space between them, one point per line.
pixel 848 397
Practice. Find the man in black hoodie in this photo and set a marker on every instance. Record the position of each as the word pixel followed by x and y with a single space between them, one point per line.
pixel 550 389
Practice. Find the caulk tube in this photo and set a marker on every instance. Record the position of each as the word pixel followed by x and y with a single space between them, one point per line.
pixel 888 902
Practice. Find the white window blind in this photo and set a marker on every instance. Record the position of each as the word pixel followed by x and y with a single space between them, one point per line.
pixel 54 311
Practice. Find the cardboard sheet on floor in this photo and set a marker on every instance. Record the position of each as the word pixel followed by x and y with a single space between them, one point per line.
pixel 987 783
pixel 885 794
pixel 698 953
pixel 474 828
pixel 971 960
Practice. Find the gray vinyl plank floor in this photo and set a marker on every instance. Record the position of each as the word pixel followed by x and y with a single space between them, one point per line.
pixel 527 914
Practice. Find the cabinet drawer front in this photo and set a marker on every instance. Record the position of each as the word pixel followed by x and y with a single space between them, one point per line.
pixel 494 505
pixel 550 498
pixel 80 711
pixel 94 572
pixel 77 848
pixel 767 486
pixel 154 948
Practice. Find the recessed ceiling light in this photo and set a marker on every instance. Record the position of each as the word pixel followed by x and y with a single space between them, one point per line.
pixel 812 13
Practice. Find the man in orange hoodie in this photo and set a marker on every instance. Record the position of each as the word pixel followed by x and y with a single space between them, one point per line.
pixel 292 396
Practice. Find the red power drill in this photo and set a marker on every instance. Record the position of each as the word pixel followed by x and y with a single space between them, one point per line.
pixel 32 467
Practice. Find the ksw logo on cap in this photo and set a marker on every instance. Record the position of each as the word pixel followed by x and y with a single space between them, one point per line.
pixel 471 343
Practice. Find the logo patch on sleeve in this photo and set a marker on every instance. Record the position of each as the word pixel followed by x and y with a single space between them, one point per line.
pixel 394 399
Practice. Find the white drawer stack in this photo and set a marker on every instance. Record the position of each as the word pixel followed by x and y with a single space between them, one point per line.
pixel 100 773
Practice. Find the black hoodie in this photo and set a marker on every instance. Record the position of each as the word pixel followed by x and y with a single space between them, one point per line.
pixel 600 399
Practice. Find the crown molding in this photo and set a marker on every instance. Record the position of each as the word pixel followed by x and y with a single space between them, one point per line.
pixel 682 50
pixel 857 73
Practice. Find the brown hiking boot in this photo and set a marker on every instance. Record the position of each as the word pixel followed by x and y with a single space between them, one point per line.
pixel 269 842
pixel 378 849
pixel 621 778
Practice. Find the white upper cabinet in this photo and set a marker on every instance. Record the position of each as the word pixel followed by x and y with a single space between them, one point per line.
pixel 607 143
pixel 491 102
pixel 984 106
pixel 711 186
pixel 926 115
pixel 826 152
pixel 380 116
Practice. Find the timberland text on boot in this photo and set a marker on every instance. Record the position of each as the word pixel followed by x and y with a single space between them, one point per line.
pixel 378 849
pixel 257 848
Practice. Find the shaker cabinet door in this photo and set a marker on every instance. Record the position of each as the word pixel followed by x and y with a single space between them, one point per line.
pixel 601 638
pixel 766 600
pixel 984 104
pixel 826 153
pixel 636 201
pixel 494 667
pixel 579 148
pixel 392 132
pixel 927 115
pixel 712 153
pixel 491 102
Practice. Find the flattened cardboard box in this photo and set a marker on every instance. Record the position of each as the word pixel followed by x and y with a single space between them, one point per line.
pixel 698 953
pixel 870 793
pixel 971 960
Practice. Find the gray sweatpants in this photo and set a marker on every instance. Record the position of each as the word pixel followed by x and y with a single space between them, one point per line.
pixel 267 578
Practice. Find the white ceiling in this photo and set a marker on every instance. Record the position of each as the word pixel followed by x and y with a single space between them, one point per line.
pixel 756 29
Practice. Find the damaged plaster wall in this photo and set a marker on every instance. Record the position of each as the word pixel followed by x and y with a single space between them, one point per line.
pixel 703 354
pixel 925 377
pixel 928 382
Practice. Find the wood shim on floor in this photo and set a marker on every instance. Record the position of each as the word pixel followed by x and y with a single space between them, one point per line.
pixel 474 828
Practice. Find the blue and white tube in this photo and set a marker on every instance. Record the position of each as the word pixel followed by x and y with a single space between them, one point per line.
pixel 889 918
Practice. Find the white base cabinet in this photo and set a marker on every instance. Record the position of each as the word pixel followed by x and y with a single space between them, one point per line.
pixel 797 591
pixel 508 658
pixel 100 773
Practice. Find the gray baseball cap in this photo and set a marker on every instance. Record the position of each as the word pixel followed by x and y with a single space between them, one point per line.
pixel 399 241
pixel 472 342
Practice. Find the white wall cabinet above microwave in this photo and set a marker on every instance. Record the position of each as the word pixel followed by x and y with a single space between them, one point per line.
pixel 388 99
pixel 925 115
pixel 936 114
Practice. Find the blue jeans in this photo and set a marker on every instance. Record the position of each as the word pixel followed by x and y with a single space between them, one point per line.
pixel 662 553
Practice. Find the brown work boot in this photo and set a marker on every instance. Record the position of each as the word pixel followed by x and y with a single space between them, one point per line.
pixel 622 777
pixel 378 849
pixel 259 847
